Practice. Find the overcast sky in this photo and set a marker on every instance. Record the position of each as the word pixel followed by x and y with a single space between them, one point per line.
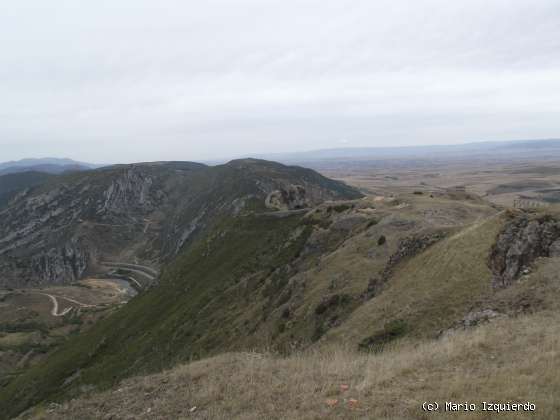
pixel 135 80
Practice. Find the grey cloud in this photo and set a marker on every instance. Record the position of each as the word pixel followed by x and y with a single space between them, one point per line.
pixel 143 80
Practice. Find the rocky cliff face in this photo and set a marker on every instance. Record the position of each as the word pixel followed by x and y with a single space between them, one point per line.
pixel 65 264
pixel 132 190
pixel 58 232
pixel 292 197
pixel 524 239
pixel 47 234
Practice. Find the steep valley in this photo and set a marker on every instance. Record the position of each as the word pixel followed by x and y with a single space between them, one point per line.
pixel 142 214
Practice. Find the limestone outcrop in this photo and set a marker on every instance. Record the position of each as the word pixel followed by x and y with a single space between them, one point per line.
pixel 524 239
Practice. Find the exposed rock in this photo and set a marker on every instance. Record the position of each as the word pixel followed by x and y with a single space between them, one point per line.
pixel 238 205
pixel 473 318
pixel 190 229
pixel 146 213
pixel 292 197
pixel 61 265
pixel 132 189
pixel 554 249
pixel 523 240
pixel 478 317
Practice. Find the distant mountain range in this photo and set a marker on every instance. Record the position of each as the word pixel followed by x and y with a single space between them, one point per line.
pixel 17 176
pixel 548 148
pixel 46 165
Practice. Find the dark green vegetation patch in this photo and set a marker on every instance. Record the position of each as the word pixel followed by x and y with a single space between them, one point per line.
pixel 392 331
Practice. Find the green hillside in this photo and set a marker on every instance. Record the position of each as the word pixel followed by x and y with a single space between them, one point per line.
pixel 247 281
pixel 374 273
pixel 182 318
pixel 11 184
pixel 237 256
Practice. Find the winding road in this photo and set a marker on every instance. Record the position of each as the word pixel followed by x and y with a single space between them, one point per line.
pixel 148 274
pixel 143 268
pixel 54 311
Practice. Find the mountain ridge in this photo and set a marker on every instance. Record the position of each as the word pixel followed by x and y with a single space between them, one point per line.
pixel 46 165
pixel 58 231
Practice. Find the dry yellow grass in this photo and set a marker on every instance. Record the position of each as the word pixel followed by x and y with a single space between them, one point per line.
pixel 432 290
pixel 506 360
pixel 348 269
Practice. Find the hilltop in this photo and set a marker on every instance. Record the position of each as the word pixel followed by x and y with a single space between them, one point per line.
pixel 63 229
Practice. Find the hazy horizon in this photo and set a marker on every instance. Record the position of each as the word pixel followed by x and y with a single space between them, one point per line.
pixel 291 155
pixel 110 82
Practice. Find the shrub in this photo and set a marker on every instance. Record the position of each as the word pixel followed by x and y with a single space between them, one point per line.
pixel 339 208
pixel 372 222
pixel 27 326
pixel 392 330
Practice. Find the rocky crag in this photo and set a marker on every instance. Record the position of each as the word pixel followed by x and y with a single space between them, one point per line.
pixel 524 239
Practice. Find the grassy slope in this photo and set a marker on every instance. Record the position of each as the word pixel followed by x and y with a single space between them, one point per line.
pixel 182 318
pixel 513 360
pixel 432 290
pixel 360 258
pixel 218 280
pixel 218 283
